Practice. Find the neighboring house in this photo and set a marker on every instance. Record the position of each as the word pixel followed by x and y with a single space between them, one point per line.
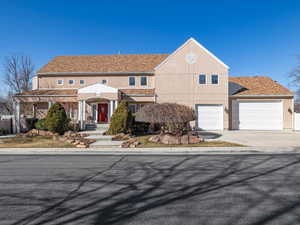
pixel 4 111
pixel 90 88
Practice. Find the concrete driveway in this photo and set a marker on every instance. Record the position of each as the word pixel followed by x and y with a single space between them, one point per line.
pixel 258 138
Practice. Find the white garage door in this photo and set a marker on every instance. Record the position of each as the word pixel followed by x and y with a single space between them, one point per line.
pixel 210 117
pixel 266 115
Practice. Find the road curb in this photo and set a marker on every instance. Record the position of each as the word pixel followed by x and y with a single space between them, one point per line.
pixel 151 151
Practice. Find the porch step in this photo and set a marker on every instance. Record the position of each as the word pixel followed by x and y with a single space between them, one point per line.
pixel 90 127
pixel 103 143
pixel 102 127
pixel 100 137
pixel 93 132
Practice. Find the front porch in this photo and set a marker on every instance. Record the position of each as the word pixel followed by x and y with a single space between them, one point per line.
pixel 93 104
pixel 95 111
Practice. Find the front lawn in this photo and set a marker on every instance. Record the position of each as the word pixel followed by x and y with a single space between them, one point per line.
pixel 33 142
pixel 144 143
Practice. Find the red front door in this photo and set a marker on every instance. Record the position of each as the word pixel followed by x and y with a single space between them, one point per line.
pixel 102 113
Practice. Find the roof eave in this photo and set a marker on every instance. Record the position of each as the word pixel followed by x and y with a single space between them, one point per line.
pixel 95 73
pixel 139 95
pixel 45 96
pixel 279 95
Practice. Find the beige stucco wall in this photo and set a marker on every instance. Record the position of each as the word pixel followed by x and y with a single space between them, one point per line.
pixel 116 81
pixel 177 81
pixel 288 109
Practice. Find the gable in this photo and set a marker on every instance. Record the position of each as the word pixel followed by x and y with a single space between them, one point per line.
pixel 97 88
pixel 192 57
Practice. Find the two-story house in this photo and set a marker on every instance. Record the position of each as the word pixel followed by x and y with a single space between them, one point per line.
pixel 90 87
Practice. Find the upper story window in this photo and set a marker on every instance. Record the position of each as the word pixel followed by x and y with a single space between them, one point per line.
pixel 131 81
pixel 202 79
pixel 60 82
pixel 82 82
pixel 214 79
pixel 104 81
pixel 143 81
pixel 71 82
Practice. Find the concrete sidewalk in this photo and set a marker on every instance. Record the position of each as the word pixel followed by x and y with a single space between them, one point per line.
pixel 149 151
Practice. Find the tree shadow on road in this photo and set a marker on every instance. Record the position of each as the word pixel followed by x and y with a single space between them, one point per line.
pixel 129 188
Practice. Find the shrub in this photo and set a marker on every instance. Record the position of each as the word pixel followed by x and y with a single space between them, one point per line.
pixel 139 128
pixel 121 120
pixel 40 124
pixel 74 126
pixel 173 118
pixel 3 131
pixel 56 120
pixel 30 123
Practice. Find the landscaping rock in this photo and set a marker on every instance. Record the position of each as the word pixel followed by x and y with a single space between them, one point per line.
pixel 184 139
pixel 81 146
pixel 131 143
pixel 77 139
pixel 68 133
pixel 195 139
pixel 169 139
pixel 125 145
pixel 155 138
pixel 34 131
pixel 69 141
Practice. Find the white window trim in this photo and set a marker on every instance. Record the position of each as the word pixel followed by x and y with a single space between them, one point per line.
pixel 211 79
pixel 146 81
pixel 129 81
pixel 59 80
pixel 205 79
pixel 81 83
pixel 71 84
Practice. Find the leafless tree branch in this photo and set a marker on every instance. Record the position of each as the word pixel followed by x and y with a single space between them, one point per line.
pixel 295 79
pixel 18 70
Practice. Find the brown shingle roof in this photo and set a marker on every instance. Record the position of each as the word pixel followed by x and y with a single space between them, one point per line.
pixel 103 63
pixel 149 92
pixel 65 92
pixel 259 85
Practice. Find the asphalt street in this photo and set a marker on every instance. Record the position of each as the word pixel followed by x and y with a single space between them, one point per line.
pixel 144 190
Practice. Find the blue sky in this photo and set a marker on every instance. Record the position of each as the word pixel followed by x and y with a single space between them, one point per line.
pixel 252 37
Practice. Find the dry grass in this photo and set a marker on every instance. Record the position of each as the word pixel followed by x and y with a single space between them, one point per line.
pixel 33 142
pixel 146 144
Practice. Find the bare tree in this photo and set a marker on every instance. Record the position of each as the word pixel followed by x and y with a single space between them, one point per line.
pixel 295 79
pixel 18 70
pixel 5 105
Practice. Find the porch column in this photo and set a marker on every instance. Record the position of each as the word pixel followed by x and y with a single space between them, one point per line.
pixel 80 114
pixel 49 105
pixel 111 105
pixel 116 104
pixel 83 112
pixel 16 119
pixel 33 110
